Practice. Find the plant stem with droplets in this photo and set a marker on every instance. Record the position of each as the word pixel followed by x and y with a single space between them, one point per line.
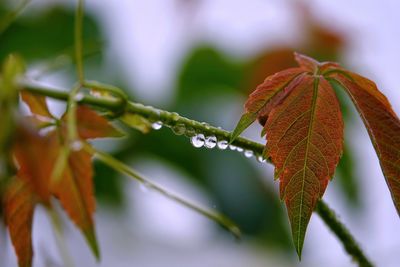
pixel 171 119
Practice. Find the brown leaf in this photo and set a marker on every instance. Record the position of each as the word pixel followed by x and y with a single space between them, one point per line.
pixel 75 191
pixel 305 142
pixel 382 124
pixel 35 157
pixel 259 104
pixel 37 104
pixel 303 123
pixel 306 63
pixel 91 125
pixel 19 203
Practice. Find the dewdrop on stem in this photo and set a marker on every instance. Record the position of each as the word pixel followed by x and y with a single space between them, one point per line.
pixel 261 159
pixel 210 142
pixel 248 153
pixel 198 140
pixel 157 125
pixel 223 144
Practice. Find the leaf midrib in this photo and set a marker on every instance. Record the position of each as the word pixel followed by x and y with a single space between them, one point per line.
pixel 310 130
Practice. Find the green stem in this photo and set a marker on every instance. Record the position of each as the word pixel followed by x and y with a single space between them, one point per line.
pixel 78 40
pixel 350 245
pixel 122 168
pixel 72 129
pixel 171 119
pixel 9 18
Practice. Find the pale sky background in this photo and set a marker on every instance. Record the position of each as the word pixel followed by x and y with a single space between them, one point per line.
pixel 149 38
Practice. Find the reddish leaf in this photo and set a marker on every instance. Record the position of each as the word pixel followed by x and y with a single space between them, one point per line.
pixel 19 203
pixel 382 124
pixel 75 190
pixel 91 125
pixel 302 119
pixel 39 157
pixel 37 104
pixel 306 63
pixel 33 168
pixel 265 97
pixel 305 141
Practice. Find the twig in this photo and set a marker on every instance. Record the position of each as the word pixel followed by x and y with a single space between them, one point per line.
pixel 122 168
pixel 9 18
pixel 350 245
pixel 78 40
pixel 171 119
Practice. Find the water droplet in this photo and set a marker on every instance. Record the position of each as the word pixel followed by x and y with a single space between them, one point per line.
pixel 179 129
pixel 76 145
pixel 232 147
pixel 261 159
pixel 248 153
pixel 190 132
pixel 223 144
pixel 175 116
pixel 198 140
pixel 79 97
pixel 239 149
pixel 211 141
pixel 157 125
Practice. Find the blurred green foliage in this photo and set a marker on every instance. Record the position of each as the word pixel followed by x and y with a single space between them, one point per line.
pixel 207 79
pixel 46 34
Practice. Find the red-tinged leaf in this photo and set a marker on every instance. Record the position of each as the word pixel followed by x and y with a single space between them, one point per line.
pixel 19 203
pixel 37 104
pixel 91 125
pixel 306 63
pixel 304 142
pixel 35 157
pixel 259 104
pixel 382 124
pixel 75 191
pixel 303 123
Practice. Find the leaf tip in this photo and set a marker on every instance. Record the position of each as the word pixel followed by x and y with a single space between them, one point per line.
pixel 298 240
pixel 91 238
pixel 245 121
pixel 299 249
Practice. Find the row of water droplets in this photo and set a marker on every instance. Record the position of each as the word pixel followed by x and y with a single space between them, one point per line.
pixel 199 140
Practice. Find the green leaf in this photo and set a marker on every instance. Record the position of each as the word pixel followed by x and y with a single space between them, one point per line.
pixel 245 121
pixel 137 122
